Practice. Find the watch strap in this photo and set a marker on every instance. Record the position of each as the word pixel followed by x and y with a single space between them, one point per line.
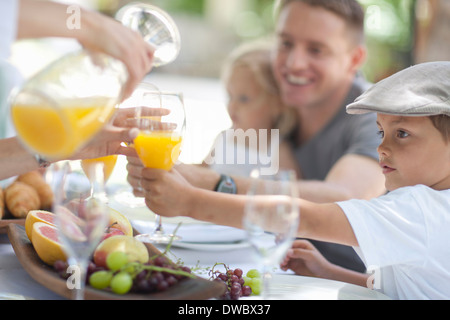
pixel 41 161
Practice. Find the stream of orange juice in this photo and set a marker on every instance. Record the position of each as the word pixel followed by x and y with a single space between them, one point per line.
pixel 58 133
pixel 109 163
pixel 158 149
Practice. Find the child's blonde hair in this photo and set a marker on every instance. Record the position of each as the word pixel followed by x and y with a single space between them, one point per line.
pixel 257 57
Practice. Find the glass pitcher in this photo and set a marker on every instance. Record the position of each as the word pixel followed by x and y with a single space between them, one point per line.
pixel 61 108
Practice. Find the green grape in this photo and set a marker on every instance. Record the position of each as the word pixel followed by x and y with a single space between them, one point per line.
pixel 121 283
pixel 256 286
pixel 100 279
pixel 247 280
pixel 116 260
pixel 253 273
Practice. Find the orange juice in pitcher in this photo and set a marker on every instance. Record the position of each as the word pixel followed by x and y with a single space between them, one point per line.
pixel 60 132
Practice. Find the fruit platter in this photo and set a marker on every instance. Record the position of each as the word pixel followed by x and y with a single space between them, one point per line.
pixel 43 258
pixel 120 267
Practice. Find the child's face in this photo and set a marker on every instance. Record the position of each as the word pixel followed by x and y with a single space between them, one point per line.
pixel 413 152
pixel 249 106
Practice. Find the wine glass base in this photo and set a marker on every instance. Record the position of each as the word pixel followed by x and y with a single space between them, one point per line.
pixel 157 238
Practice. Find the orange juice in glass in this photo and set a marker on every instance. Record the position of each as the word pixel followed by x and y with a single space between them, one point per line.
pixel 158 149
pixel 108 162
pixel 159 142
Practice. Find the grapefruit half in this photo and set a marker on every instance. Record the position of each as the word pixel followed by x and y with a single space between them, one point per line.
pixel 38 216
pixel 46 244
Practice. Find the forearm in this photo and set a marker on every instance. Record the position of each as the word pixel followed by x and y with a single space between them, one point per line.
pixel 15 159
pixel 323 191
pixel 217 208
pixel 346 275
pixel 32 23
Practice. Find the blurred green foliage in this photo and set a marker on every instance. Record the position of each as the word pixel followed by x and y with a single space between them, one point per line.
pixel 186 6
pixel 389 27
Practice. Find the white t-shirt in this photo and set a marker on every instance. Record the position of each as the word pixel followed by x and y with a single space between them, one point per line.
pixel 406 234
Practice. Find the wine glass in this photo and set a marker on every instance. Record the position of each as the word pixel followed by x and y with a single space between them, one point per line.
pixel 125 196
pixel 271 219
pixel 81 216
pixel 108 162
pixel 156 27
pixel 159 142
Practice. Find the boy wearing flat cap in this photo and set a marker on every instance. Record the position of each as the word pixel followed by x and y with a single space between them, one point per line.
pixel 404 233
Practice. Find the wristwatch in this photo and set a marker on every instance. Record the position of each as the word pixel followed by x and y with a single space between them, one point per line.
pixel 41 161
pixel 226 185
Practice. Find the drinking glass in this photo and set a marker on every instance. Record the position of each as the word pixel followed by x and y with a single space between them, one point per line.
pixel 271 219
pixel 81 216
pixel 108 163
pixel 62 107
pixel 159 142
pixel 125 196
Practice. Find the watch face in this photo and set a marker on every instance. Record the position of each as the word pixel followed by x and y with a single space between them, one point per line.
pixel 227 186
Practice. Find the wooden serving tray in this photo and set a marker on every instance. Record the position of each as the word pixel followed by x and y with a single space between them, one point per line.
pixel 6 222
pixel 187 289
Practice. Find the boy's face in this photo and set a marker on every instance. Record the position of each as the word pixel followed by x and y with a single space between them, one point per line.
pixel 413 152
pixel 314 57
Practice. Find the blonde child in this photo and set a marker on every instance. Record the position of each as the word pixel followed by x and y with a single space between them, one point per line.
pixel 255 108
pixel 402 234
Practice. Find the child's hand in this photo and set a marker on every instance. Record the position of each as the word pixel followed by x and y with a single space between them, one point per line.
pixel 305 260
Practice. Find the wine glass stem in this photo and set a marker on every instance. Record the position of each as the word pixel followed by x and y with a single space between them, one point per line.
pixel 158 224
pixel 92 189
pixel 267 276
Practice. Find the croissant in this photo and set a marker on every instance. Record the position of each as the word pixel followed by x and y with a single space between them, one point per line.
pixel 20 198
pixel 37 181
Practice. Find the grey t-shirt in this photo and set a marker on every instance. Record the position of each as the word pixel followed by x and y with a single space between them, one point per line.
pixel 344 134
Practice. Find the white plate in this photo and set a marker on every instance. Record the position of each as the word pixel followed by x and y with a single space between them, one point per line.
pixel 293 287
pixel 211 246
pixel 196 233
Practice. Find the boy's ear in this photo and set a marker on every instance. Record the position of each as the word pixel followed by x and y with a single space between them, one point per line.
pixel 358 57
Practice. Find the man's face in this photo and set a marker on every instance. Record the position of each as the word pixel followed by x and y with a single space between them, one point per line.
pixel 413 152
pixel 313 60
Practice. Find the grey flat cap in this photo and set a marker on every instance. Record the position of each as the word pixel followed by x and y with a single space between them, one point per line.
pixel 420 90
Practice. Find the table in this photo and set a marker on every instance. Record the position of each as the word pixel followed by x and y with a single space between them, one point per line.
pixel 15 280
